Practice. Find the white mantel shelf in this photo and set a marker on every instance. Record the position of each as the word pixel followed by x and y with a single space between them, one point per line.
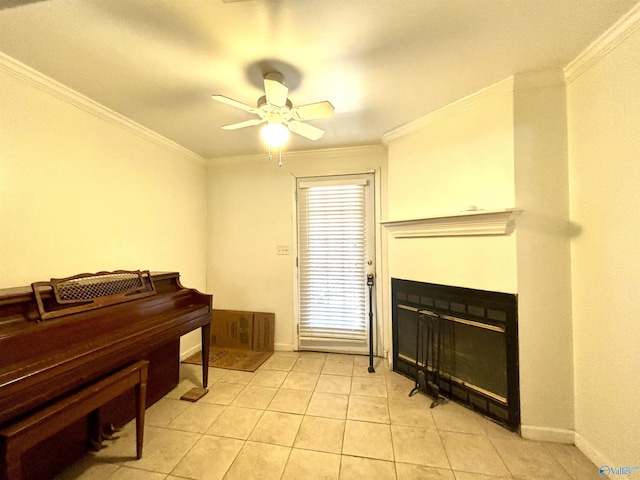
pixel 460 224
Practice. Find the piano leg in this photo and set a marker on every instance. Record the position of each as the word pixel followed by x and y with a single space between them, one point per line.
pixel 206 343
pixel 141 396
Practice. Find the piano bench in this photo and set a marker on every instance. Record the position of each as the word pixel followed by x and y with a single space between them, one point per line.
pixel 18 437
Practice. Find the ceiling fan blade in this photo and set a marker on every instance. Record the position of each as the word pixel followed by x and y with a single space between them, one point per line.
pixel 246 123
pixel 275 90
pixel 234 103
pixel 313 111
pixel 306 130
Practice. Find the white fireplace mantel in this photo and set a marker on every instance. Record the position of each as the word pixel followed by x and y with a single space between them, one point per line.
pixel 459 224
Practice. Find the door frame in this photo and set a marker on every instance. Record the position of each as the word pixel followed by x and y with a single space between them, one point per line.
pixel 379 329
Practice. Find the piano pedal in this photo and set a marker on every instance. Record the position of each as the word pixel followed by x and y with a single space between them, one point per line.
pixel 95 445
pixel 110 429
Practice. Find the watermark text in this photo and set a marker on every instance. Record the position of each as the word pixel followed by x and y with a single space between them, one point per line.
pixel 607 471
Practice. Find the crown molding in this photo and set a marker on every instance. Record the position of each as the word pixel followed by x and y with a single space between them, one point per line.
pixel 538 79
pixel 626 26
pixel 341 152
pixel 485 94
pixel 32 77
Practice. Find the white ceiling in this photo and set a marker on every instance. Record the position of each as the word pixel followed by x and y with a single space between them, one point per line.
pixel 381 63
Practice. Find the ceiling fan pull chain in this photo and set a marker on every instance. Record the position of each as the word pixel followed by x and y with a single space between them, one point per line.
pixel 269 152
pixel 280 159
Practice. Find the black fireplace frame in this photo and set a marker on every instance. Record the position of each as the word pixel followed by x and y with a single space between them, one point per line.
pixel 486 307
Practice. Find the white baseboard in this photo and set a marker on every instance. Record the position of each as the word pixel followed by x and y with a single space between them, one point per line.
pixel 590 451
pixel 191 351
pixel 561 435
pixel 547 434
pixel 283 347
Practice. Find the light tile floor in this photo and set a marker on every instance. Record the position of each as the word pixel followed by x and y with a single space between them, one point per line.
pixel 306 416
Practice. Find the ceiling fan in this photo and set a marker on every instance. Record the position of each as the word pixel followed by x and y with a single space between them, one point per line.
pixel 277 111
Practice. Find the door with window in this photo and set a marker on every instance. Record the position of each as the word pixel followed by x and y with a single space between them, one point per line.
pixel 336 251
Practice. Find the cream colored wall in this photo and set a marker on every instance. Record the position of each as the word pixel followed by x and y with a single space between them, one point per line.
pixel 543 252
pixel 80 192
pixel 457 157
pixel 604 141
pixel 251 212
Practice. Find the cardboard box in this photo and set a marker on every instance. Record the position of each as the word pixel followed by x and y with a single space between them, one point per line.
pixel 244 330
pixel 232 329
pixel 263 331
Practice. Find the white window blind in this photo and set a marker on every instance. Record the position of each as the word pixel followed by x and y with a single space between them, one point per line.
pixel 332 255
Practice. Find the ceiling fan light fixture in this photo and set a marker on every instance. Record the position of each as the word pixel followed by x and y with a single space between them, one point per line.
pixel 275 134
pixel 278 113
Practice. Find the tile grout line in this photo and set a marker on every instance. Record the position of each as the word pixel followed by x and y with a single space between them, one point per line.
pixel 557 456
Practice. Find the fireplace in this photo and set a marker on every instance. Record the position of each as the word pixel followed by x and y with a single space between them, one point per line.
pixel 477 345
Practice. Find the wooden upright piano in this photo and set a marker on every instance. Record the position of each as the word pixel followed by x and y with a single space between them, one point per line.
pixel 59 336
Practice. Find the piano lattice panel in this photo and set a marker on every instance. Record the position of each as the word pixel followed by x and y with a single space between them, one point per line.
pixel 64 296
pixel 100 286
